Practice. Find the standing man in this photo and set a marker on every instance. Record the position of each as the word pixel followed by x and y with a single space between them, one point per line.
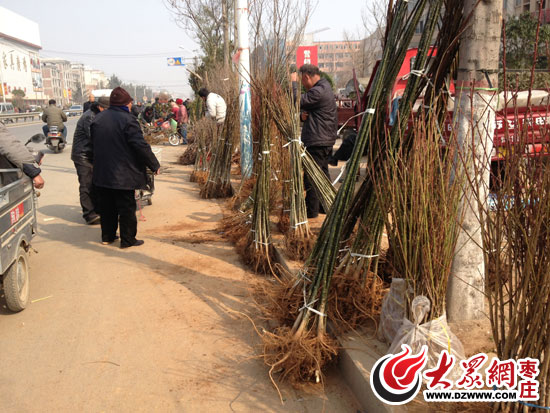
pixel 182 119
pixel 87 104
pixel 215 105
pixel 319 132
pixel 82 156
pixel 120 158
pixel 161 106
pixel 54 116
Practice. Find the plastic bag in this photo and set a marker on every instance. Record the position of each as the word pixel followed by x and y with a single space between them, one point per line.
pixel 173 125
pixel 436 334
pixel 393 310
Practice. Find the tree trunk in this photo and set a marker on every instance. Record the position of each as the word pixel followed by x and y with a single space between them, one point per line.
pixel 475 119
pixel 225 22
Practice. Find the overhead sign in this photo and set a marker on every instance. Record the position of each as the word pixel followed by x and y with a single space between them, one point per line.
pixel 175 61
pixel 306 55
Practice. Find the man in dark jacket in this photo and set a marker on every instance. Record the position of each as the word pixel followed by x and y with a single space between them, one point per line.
pixel 82 156
pixel 319 114
pixel 88 103
pixel 120 158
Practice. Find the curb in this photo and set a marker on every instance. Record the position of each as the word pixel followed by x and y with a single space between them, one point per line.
pixel 357 357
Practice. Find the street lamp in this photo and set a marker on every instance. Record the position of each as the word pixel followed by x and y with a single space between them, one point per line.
pixel 2 78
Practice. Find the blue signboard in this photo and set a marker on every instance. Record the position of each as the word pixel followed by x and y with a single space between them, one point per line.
pixel 175 61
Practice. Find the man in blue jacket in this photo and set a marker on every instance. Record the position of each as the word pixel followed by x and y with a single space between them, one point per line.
pixel 320 117
pixel 120 158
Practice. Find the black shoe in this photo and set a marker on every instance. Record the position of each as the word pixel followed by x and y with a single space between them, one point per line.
pixel 311 216
pixel 332 161
pixel 93 220
pixel 110 242
pixel 135 244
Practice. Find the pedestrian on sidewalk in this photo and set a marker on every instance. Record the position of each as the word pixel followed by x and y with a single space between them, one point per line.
pixel 82 156
pixel 88 103
pixel 182 118
pixel 121 157
pixel 320 128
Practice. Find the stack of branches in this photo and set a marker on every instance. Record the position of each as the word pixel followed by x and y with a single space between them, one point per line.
pixel 257 248
pixel 285 112
pixel 422 194
pixel 516 234
pixel 218 184
pixel 302 349
pixel 203 130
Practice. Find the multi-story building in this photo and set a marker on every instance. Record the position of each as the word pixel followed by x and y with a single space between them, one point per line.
pixel 68 84
pixel 19 61
pixel 53 81
pixel 94 79
pixel 78 80
pixel 339 58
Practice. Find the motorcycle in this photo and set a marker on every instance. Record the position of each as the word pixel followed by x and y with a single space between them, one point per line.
pixel 55 141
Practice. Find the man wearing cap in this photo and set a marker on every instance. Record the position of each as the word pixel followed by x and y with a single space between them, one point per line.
pixel 82 156
pixel 120 158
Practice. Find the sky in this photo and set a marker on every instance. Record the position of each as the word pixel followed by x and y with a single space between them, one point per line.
pixel 94 32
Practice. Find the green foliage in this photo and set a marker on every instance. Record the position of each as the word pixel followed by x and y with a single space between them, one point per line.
pixel 522 80
pixel 325 75
pixel 520 42
pixel 18 92
pixel 114 81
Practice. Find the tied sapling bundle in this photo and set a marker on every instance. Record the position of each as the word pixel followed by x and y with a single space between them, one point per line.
pixel 203 130
pixel 218 184
pixel 298 237
pixel 257 248
pixel 303 349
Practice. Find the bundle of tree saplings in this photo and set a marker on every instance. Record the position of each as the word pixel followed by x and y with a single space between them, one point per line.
pixel 218 184
pixel 203 130
pixel 300 351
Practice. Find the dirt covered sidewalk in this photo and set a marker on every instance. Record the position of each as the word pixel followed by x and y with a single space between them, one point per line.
pixel 151 328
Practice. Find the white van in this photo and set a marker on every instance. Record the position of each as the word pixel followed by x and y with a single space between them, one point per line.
pixel 5 109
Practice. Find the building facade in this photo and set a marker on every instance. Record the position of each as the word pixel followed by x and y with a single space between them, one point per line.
pixel 19 60
pixel 339 58
pixel 62 80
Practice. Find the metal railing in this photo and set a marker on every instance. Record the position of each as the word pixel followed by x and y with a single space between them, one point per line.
pixel 15 117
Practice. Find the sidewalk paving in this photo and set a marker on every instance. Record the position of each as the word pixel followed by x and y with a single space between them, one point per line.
pixel 152 328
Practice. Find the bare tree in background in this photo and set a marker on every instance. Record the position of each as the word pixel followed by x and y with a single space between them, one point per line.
pixel 371 34
pixel 208 21
pixel 277 28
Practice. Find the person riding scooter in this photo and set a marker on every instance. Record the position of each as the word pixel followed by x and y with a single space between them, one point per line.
pixel 54 116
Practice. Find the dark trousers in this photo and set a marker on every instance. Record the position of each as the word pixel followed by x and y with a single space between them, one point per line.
pixel 117 206
pixel 84 170
pixel 320 155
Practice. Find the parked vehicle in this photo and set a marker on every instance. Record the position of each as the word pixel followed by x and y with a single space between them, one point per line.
pixel 74 110
pixel 55 141
pixel 18 226
pixel 6 108
pixel 507 119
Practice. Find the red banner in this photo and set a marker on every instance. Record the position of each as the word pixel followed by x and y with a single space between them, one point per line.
pixel 306 55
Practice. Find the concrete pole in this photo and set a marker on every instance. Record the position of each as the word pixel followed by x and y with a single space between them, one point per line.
pixel 244 97
pixel 475 119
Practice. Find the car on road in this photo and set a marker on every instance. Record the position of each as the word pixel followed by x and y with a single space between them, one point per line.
pixel 74 110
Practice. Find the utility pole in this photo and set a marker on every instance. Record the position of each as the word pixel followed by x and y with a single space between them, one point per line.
pixel 225 22
pixel 476 91
pixel 244 96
